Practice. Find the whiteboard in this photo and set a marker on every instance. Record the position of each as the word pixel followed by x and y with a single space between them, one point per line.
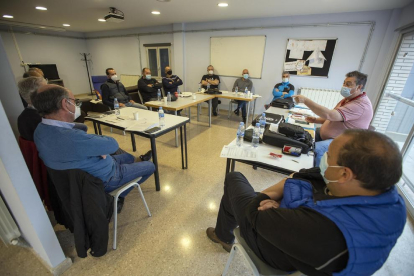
pixel 230 55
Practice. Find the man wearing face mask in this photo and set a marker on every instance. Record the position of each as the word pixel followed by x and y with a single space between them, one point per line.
pixel 171 82
pixel 241 85
pixel 63 147
pixel 113 88
pixel 213 81
pixel 283 89
pixel 354 111
pixel 340 219
pixel 148 86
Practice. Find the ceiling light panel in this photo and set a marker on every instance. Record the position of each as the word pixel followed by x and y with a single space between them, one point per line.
pixel 8 16
pixel 101 20
pixel 155 12
pixel 66 25
pixel 223 5
pixel 41 8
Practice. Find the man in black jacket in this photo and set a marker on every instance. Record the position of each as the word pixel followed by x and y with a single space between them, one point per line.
pixel 211 80
pixel 148 86
pixel 113 88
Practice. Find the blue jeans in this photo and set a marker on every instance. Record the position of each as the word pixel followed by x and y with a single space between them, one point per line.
pixel 136 105
pixel 126 170
pixel 242 105
pixel 320 148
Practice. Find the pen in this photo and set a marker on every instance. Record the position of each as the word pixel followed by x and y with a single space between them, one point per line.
pixel 294 161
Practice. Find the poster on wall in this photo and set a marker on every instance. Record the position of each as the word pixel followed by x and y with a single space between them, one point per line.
pixel 309 57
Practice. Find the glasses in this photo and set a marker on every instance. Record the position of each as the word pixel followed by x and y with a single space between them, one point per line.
pixel 76 101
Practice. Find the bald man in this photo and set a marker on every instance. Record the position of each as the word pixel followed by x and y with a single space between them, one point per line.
pixel 241 84
pixel 63 147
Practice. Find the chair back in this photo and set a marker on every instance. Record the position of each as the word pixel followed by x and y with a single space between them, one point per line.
pixel 97 81
pixel 140 97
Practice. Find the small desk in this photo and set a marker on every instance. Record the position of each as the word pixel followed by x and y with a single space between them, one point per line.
pixel 133 127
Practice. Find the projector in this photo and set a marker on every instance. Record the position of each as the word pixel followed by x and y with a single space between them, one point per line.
pixel 114 15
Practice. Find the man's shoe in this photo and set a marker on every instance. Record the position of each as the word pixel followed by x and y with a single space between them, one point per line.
pixel 266 106
pixel 214 113
pixel 211 234
pixel 219 102
pixel 244 120
pixel 236 112
pixel 120 204
pixel 147 156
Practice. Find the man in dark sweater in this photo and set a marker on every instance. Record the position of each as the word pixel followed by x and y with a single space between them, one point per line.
pixel 148 86
pixel 171 82
pixel 62 147
pixel 213 82
pixel 343 217
pixel 114 89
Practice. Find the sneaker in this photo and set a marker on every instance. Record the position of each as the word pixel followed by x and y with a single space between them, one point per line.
pixel 147 156
pixel 120 204
pixel 236 112
pixel 211 234
pixel 219 102
pixel 214 113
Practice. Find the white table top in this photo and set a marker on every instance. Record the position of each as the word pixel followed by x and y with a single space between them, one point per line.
pixel 147 119
pixel 232 95
pixel 181 102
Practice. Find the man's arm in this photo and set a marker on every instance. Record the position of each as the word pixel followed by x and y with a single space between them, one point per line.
pixel 291 92
pixel 178 81
pixel 323 112
pixel 277 93
pixel 157 85
pixel 96 145
pixel 167 83
pixel 215 81
pixel 250 86
pixel 234 85
pixel 144 88
pixel 315 120
pixel 105 96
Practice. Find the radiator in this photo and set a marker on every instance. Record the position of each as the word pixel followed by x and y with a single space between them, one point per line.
pixel 325 97
pixel 9 232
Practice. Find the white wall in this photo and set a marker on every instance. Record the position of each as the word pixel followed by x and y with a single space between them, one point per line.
pixel 64 52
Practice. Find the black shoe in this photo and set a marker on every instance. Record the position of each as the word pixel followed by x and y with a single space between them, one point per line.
pixel 214 113
pixel 244 120
pixel 147 156
pixel 120 204
pixel 211 234
pixel 219 102
pixel 236 112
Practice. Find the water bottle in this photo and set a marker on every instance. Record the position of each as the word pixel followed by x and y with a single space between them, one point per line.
pixel 262 122
pixel 245 92
pixel 199 87
pixel 240 135
pixel 237 89
pixel 161 117
pixel 169 98
pixel 178 91
pixel 208 86
pixel 256 135
pixel 116 107
pixel 159 95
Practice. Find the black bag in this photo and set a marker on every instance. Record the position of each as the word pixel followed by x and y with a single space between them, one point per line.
pixel 286 103
pixel 248 135
pixel 270 118
pixel 279 140
pixel 291 130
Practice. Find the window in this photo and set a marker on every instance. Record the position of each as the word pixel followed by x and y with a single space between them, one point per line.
pixel 158 57
pixel 394 115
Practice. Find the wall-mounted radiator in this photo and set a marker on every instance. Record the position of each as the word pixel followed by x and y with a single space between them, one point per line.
pixel 9 232
pixel 325 97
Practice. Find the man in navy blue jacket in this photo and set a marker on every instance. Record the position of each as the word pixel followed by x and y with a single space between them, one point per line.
pixel 63 147
pixel 342 218
pixel 170 82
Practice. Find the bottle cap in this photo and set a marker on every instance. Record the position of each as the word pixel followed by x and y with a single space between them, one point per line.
pixel 257 124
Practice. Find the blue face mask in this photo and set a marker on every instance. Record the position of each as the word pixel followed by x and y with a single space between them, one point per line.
pixel 148 77
pixel 245 76
pixel 345 92
pixel 323 165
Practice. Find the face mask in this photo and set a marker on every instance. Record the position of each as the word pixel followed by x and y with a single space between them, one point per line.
pixel 285 79
pixel 169 72
pixel 210 72
pixel 323 165
pixel 245 76
pixel 148 77
pixel 345 92
pixel 114 77
pixel 77 111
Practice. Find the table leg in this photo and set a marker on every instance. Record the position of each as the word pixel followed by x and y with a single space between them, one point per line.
pixel 134 146
pixel 189 113
pixel 210 107
pixel 254 108
pixel 176 133
pixel 95 128
pixel 228 165
pixel 155 161
pixel 233 164
pixel 248 113
pixel 198 112
pixel 184 158
pixel 99 129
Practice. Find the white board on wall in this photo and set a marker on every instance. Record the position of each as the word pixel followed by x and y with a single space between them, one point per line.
pixel 230 55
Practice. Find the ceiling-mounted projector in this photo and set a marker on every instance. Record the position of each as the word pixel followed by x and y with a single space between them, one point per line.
pixel 114 15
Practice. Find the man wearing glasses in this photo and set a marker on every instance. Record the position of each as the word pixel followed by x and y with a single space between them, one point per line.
pixel 63 147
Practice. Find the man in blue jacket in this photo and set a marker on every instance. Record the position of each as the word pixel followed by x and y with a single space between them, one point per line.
pixel 283 89
pixel 63 147
pixel 342 218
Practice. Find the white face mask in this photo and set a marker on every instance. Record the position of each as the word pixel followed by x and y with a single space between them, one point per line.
pixel 77 111
pixel 285 79
pixel 323 165
pixel 210 72
pixel 114 77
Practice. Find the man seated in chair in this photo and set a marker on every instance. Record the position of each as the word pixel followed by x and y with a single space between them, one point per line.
pixel 241 84
pixel 62 147
pixel 344 217
pixel 113 88
pixel 148 86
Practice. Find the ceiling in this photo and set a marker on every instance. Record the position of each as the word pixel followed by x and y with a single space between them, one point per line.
pixel 83 15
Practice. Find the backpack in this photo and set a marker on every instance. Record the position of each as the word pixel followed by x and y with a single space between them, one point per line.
pixel 286 103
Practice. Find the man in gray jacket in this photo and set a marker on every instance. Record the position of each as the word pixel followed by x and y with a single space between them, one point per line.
pixel 113 88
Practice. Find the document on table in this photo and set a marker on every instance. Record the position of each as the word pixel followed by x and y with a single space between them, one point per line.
pixel 235 152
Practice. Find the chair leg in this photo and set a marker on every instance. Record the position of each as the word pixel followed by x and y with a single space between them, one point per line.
pixel 124 133
pixel 230 108
pixel 143 200
pixel 115 215
pixel 231 257
pixel 111 129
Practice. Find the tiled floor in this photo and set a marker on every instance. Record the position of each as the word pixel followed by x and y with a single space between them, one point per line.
pixel 173 240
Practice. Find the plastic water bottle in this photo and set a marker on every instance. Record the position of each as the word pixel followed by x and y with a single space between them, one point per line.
pixel 116 107
pixel 262 122
pixel 237 89
pixel 178 91
pixel 169 98
pixel 159 95
pixel 208 86
pixel 199 87
pixel 245 92
pixel 256 135
pixel 240 135
pixel 161 116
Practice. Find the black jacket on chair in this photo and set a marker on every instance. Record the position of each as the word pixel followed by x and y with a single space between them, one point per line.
pixel 88 207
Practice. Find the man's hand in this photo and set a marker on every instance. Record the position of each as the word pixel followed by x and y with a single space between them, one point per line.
pixel 121 105
pixel 277 90
pixel 131 101
pixel 170 82
pixel 103 156
pixel 310 119
pixel 300 99
pixel 150 85
pixel 284 93
pixel 268 204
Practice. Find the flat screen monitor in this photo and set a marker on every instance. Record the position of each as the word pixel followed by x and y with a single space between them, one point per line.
pixel 49 70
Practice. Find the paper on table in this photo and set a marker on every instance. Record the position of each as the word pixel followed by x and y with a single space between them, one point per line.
pixel 290 66
pixel 142 125
pixel 305 112
pixel 296 53
pixel 299 121
pixel 233 151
